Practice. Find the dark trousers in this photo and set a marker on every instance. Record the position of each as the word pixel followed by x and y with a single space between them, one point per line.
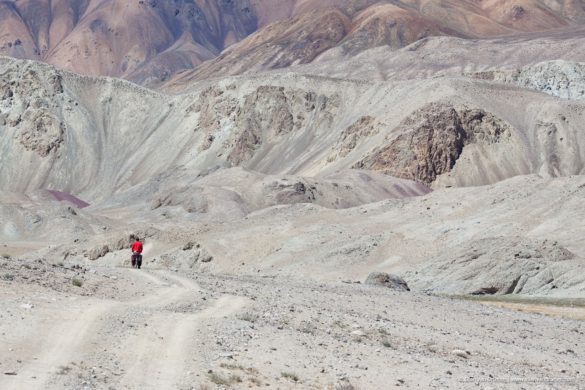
pixel 136 260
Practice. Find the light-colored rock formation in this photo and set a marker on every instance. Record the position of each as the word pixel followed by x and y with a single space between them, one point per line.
pixel 95 137
pixel 564 79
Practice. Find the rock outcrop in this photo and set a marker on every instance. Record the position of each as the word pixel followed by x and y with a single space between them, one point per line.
pixel 352 136
pixel 564 79
pixel 32 108
pixel 190 256
pixel 498 266
pixel 282 124
pixel 429 142
pixel 383 279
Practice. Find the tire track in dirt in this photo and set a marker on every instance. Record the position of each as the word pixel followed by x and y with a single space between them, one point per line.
pixel 157 357
pixel 62 341
pixel 146 362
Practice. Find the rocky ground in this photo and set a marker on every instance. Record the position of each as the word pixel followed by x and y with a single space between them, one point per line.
pixel 120 328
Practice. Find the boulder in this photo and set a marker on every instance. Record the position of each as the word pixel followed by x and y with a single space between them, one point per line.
pixel 383 279
pixel 98 252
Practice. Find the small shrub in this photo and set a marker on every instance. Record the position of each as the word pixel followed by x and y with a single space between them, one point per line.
pixel 387 344
pixel 255 381
pixel 8 277
pixel 5 256
pixel 77 282
pixel 249 317
pixel 230 366
pixel 235 379
pixel 219 379
pixel 345 386
pixel 340 324
pixel 290 375
pixel 306 330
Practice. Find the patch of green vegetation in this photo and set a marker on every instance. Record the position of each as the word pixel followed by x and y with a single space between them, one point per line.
pixel 77 282
pixel 249 317
pixel 219 379
pixel 290 375
pixel 8 277
pixel 345 386
pixel 514 298
pixel 231 366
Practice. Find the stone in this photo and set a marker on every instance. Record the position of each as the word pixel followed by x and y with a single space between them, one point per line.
pixel 98 252
pixel 391 281
pixel 461 353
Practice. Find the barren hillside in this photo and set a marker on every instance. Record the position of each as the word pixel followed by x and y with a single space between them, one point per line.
pixel 149 41
pixel 242 149
pixel 347 28
pixel 442 132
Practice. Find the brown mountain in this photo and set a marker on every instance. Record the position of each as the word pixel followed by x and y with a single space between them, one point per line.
pixel 137 40
pixel 347 28
pixel 149 41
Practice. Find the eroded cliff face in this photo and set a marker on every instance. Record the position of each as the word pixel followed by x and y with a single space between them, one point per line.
pixel 564 79
pixel 429 141
pixel 31 106
pixel 268 115
pixel 354 135
pixel 441 133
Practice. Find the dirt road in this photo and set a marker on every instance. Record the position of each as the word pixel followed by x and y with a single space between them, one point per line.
pixel 159 329
pixel 152 356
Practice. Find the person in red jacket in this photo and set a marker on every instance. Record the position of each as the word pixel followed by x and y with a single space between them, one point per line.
pixel 137 253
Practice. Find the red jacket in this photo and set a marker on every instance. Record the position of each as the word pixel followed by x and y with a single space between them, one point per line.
pixel 137 247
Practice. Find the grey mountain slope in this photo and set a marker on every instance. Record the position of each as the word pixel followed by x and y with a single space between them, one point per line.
pixel 451 56
pixel 94 136
pixel 161 162
pixel 517 236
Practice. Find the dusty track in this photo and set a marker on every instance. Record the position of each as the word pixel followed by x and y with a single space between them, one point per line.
pixel 155 329
pixel 64 338
pixel 160 349
pixel 164 357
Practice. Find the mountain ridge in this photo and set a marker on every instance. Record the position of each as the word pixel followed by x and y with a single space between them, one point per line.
pixel 150 41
